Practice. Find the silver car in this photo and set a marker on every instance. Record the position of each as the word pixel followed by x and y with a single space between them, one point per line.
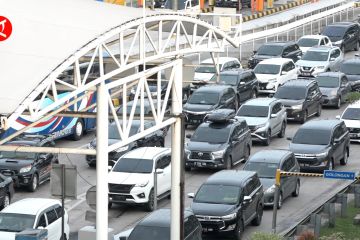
pixel 319 59
pixel 266 117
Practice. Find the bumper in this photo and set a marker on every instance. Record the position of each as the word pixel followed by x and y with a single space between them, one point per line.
pixel 217 225
pixel 267 87
pixel 313 164
pixel 259 136
pixel 192 119
pixel 269 199
pixel 217 163
pixel 330 101
pixel 137 195
pixel 354 137
pixel 295 115
pixel 22 179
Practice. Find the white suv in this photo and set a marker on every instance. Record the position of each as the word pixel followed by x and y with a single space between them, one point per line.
pixel 308 41
pixel 131 180
pixel 351 118
pixel 274 72
pixel 33 213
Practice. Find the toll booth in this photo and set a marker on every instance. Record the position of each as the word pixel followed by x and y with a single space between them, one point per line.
pixel 32 234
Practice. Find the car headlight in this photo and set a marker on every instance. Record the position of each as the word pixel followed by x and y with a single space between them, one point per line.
pixel 259 126
pixel 229 217
pixel 297 107
pixel 218 154
pixel 320 67
pixel 122 149
pixel 25 169
pixel 338 42
pixel 271 189
pixel 323 154
pixel 142 184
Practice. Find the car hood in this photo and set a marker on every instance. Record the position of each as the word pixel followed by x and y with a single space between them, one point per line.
pixel 328 91
pixel 351 123
pixel 264 78
pixel 203 76
pixel 306 63
pixel 128 178
pixel 198 107
pixel 291 102
pixel 205 146
pixel 306 149
pixel 7 235
pixel 352 77
pixel 14 164
pixel 254 121
pixel 263 57
pixel 267 182
pixel 209 209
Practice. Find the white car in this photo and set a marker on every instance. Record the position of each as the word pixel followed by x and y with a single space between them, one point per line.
pixel 33 213
pixel 273 72
pixel 206 70
pixel 131 180
pixel 308 41
pixel 351 118
pixel 320 59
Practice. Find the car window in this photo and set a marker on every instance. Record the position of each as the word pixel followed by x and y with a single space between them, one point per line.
pixel 42 221
pixel 335 53
pixel 287 50
pixel 286 165
pixel 246 77
pixel 51 216
pixel 276 108
pixel 312 91
pixel 337 133
pixel 322 42
pixel 243 127
pixel 227 95
pixel 326 40
pixel 58 211
pixel 163 162
pixel 291 66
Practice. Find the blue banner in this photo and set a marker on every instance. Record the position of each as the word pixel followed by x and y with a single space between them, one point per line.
pixel 339 175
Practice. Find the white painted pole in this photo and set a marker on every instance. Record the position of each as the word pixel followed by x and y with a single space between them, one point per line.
pixel 176 155
pixel 102 157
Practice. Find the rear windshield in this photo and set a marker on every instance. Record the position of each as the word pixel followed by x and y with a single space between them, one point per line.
pixel 226 79
pixel 328 82
pixel 253 111
pixel 271 50
pixel 312 137
pixel 204 98
pixel 333 31
pixel 218 194
pixel 350 68
pixel 263 169
pixel 308 42
pixel 207 69
pixel 267 69
pixel 150 233
pixel 293 93
pixel 214 133
pixel 351 114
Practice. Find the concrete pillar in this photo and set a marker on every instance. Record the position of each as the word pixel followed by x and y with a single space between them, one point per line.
pixel 329 208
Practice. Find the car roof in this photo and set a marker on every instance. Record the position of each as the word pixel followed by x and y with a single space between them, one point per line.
pixel 275 61
pixel 146 152
pixel 324 124
pixel 230 177
pixel 30 206
pixel 270 156
pixel 236 71
pixel 322 48
pixel 342 24
pixel 279 43
pixel 221 60
pixel 331 74
pixel 260 101
pixel 213 88
pixel 298 83
pixel 161 218
pixel 318 36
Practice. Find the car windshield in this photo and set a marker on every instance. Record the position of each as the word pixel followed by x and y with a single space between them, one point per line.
pixel 267 69
pixel 213 133
pixel 308 42
pixel 133 165
pixel 13 222
pixel 351 114
pixel 207 68
pixel 317 56
pixel 204 98
pixel 270 50
pixel 217 194
pixel 150 233
pixel 312 137
pixel 263 169
pixel 253 111
pixel 328 82
pixel 350 68
pixel 333 31
pixel 231 80
pixel 18 155
pixel 114 133
pixel 293 93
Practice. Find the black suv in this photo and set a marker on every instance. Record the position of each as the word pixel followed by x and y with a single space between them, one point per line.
pixel 320 145
pixel 244 82
pixel 156 226
pixel 206 99
pixel 345 35
pixel 219 142
pixel 228 201
pixel 27 168
pixel 155 139
pixel 301 98
pixel 275 49
pixel 6 191
pixel 351 68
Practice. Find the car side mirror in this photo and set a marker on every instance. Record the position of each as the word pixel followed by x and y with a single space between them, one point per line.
pixel 247 199
pixel 242 83
pixel 159 171
pixel 273 115
pixel 299 57
pixel 283 72
pixel 191 195
pixel 289 138
pixel 188 135
pixel 254 51
pixel 357 55
pixel 332 59
pixel 40 227
pixel 337 117
pixel 336 140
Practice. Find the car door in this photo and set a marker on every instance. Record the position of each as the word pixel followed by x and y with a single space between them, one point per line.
pixel 236 143
pixel 275 118
pixel 43 165
pixel 327 41
pixel 245 86
pixel 3 190
pixel 166 167
pixel 286 181
pixel 345 87
pixel 336 57
pixel 229 99
pixel 41 222
pixel 292 71
pixel 311 100
pixel 161 184
pixel 339 142
pixel 54 225
pixel 253 193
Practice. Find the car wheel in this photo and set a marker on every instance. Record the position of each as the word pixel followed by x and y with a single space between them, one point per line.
pixel 304 118
pixel 187 169
pixel 247 153
pixel 283 129
pixel 34 183
pixel 259 213
pixel 239 229
pixel 344 160
pixel 229 163
pixel 296 191
pixel 150 204
pixel 109 205
pixel 280 201
pixel 79 130
pixel 6 201
pixel 357 46
pixel 330 165
pixel 253 94
pixel 338 104
pixel 268 138
pixel 318 112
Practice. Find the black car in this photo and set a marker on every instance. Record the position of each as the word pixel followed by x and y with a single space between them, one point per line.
pixel 6 191
pixel 206 99
pixel 334 88
pixel 28 169
pixel 275 49
pixel 301 98
pixel 351 68
pixel 232 3
pixel 244 82
pixel 265 163
pixel 156 226
pixel 219 142
pixel 228 201
pixel 320 145
pixel 345 35
pixel 155 139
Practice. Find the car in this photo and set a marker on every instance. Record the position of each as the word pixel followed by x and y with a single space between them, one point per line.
pixel 233 3
pixel 334 88
pixel 228 201
pixel 265 163
pixel 156 138
pixel 218 142
pixel 131 179
pixel 6 191
pixel 320 145
pixel 345 35
pixel 156 226
pixel 351 118
pixel 266 117
pixel 308 41
pixel 301 98
pixel 34 213
pixel 273 73
pixel 207 69
pixel 244 82
pixel 28 169
pixel 206 99
pixel 351 68
pixel 147 107
pixel 275 50
pixel 320 59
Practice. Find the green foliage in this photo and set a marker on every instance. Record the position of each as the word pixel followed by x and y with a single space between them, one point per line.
pixel 353 97
pixel 334 236
pixel 265 236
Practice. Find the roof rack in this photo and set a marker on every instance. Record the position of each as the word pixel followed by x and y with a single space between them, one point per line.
pixel 220 115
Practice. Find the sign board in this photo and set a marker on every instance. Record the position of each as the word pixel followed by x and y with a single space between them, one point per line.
pixel 339 175
pixel 70 181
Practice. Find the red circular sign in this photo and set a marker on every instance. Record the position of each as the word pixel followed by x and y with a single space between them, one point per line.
pixel 5 28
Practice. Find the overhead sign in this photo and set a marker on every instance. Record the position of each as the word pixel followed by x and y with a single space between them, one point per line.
pixel 339 175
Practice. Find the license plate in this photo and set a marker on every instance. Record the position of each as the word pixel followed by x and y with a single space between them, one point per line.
pixel 195 121
pixel 304 164
pixel 306 74
pixel 198 164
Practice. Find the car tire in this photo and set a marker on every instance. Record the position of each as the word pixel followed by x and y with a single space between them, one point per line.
pixel 6 201
pixel 247 153
pixel 268 138
pixel 338 104
pixel 282 131
pixel 229 163
pixel 110 205
pixel 356 47
pixel 253 94
pixel 239 229
pixel 318 112
pixel 330 165
pixel 280 201
pixel 296 191
pixel 259 213
pixel 149 206
pixel 34 183
pixel 344 160
pixel 187 169
pixel 304 118
pixel 79 130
